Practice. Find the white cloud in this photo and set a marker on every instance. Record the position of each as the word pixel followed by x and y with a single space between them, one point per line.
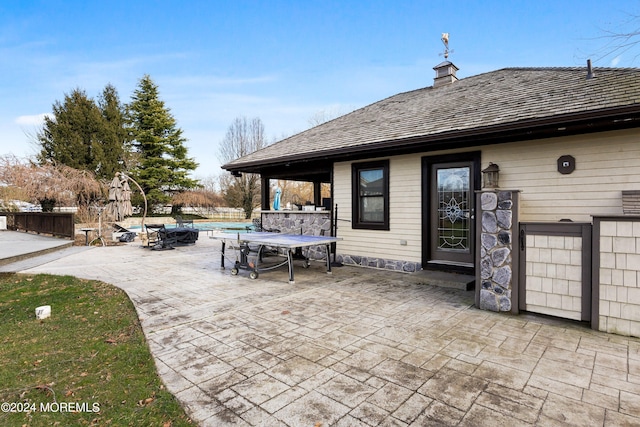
pixel 615 61
pixel 33 120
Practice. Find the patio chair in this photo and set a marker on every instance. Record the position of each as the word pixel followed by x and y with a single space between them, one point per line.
pixel 184 222
pixel 257 227
pixel 158 238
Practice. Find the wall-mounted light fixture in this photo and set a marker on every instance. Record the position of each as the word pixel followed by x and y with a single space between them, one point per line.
pixel 566 164
pixel 491 176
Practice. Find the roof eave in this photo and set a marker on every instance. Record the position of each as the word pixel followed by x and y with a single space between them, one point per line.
pixel 536 128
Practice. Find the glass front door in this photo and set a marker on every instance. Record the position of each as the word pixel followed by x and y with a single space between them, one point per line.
pixel 452 213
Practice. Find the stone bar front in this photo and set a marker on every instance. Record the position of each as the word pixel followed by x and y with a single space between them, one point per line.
pixel 311 223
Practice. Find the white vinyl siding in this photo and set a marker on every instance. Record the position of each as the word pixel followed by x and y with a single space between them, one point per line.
pixel 404 213
pixel 606 164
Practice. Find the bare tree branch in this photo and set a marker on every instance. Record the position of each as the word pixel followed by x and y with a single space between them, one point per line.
pixel 59 183
pixel 618 43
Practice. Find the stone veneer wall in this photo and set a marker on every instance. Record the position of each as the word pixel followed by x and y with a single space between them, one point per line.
pixel 317 223
pixel 297 222
pixel 619 276
pixel 382 263
pixel 496 249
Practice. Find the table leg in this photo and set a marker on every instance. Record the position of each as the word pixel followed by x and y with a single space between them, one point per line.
pixel 328 248
pixel 222 256
pixel 290 264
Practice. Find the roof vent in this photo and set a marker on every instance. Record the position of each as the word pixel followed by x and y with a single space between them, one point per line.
pixel 445 71
pixel 590 73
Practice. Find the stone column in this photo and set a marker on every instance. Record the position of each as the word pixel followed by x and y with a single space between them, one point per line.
pixel 498 219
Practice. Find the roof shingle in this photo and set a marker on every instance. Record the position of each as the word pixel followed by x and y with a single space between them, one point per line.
pixel 496 98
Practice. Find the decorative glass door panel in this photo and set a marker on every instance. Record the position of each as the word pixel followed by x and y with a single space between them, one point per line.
pixel 452 213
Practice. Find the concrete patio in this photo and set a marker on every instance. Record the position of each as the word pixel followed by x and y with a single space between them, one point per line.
pixel 356 348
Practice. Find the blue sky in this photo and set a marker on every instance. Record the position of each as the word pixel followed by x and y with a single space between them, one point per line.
pixel 283 61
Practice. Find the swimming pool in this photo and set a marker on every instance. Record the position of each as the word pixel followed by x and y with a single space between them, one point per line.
pixel 228 227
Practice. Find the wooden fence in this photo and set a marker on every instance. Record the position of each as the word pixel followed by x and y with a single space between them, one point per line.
pixel 54 223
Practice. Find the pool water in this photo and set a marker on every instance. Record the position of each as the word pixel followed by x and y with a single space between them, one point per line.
pixel 229 227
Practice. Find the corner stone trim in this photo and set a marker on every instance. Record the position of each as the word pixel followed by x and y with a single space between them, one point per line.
pixel 496 271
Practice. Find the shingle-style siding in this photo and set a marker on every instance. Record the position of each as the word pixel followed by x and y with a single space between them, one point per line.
pixel 619 277
pixel 554 275
pixel 499 98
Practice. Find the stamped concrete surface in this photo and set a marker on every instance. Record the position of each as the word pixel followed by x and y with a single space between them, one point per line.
pixel 357 348
pixel 15 246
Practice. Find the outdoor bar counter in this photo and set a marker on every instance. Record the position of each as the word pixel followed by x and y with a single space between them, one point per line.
pixel 314 223
pixel 311 223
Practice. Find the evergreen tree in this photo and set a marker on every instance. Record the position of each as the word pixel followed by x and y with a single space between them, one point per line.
pixel 72 136
pixel 162 165
pixel 115 148
pixel 83 135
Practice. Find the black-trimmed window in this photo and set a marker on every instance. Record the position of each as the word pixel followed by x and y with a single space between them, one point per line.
pixel 370 199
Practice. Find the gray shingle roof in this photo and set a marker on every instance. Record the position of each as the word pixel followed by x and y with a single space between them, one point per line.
pixel 498 98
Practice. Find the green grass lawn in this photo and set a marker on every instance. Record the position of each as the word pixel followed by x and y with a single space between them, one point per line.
pixel 88 364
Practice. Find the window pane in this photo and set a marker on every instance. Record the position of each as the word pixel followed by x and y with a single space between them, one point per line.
pixel 370 195
pixel 371 182
pixel 372 209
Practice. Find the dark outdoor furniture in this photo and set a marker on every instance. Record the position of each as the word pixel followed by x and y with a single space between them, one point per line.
pixel 160 237
pixel 86 234
pixel 257 227
pixel 184 222
pixel 157 237
pixel 127 237
pixel 183 235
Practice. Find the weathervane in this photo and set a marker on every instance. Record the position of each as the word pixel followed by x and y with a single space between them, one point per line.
pixel 445 42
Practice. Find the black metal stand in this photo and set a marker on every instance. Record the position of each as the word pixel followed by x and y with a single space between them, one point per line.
pixel 335 263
